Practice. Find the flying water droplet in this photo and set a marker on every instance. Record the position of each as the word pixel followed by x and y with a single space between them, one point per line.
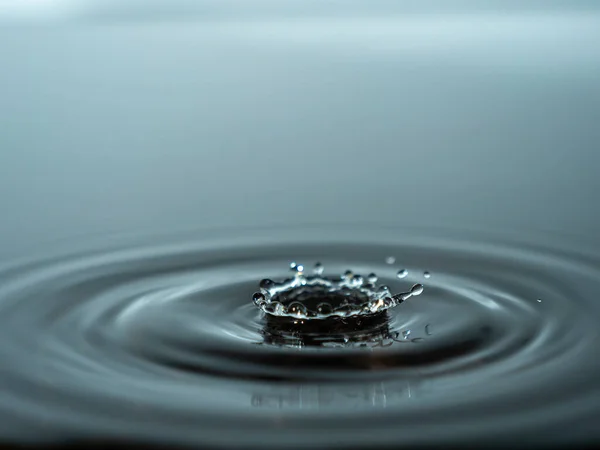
pixel 426 274
pixel 402 273
pixel 390 260
pixel 406 334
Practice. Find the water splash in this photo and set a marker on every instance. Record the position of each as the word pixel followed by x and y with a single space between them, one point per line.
pixel 319 297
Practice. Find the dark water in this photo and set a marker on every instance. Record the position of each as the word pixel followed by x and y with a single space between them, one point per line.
pixel 156 339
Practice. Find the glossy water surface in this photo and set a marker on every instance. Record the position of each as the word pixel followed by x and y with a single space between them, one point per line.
pixel 157 339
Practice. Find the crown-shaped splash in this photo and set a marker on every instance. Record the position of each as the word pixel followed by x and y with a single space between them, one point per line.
pixel 318 297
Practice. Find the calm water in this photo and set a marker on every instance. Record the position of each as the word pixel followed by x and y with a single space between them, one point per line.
pixel 369 137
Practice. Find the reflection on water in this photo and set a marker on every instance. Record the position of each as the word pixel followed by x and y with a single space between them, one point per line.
pixel 324 396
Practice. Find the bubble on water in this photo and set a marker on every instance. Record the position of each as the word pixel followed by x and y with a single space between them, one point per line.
pixel 402 273
pixel 318 269
pixel 426 274
pixel 390 260
pixel 348 295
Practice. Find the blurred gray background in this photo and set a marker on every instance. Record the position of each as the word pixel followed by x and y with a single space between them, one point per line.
pixel 117 116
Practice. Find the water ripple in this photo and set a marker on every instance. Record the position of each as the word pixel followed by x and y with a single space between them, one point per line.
pixel 158 340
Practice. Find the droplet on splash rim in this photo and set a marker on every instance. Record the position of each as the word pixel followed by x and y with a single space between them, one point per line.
pixel 318 297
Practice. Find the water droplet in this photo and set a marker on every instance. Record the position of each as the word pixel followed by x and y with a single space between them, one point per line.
pixel 350 294
pixel 319 269
pixel 259 298
pixel 539 300
pixel 390 260
pixel 406 334
pixel 426 274
pixel 297 309
pixel 324 308
pixel 266 284
pixel 293 266
pixel 402 273
pixel 417 289
pixel 275 308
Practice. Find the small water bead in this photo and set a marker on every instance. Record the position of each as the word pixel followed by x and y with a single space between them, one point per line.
pixel 259 299
pixel 402 273
pixel 324 308
pixel 406 334
pixel 318 269
pixel 297 309
pixel 426 274
pixel 383 289
pixel 266 284
pixel 357 280
pixel 275 308
pixel 349 295
pixel 390 260
pixel 417 289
